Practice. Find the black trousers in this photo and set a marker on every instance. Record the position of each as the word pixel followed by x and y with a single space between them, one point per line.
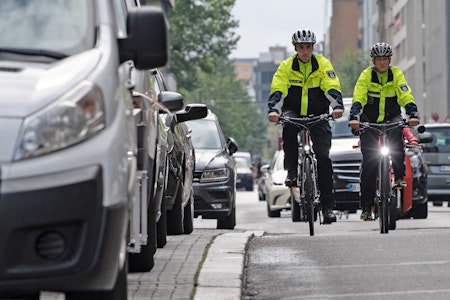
pixel 321 140
pixel 369 170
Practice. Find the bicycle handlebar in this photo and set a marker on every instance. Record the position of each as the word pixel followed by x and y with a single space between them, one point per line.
pixel 382 127
pixel 305 120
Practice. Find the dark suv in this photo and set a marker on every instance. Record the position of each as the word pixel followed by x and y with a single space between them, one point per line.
pixel 215 172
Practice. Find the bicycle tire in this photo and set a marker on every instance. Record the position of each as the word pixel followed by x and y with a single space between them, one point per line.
pixel 385 191
pixel 309 197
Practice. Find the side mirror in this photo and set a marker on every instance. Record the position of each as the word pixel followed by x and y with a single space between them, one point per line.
pixel 425 137
pixel 192 112
pixel 147 43
pixel 171 100
pixel 232 146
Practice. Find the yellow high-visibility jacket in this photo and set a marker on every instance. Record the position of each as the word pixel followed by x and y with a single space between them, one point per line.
pixel 309 96
pixel 374 102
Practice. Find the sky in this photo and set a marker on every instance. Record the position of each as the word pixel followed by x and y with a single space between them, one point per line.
pixel 266 23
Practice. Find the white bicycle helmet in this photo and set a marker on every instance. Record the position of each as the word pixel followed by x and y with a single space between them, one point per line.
pixel 381 50
pixel 303 36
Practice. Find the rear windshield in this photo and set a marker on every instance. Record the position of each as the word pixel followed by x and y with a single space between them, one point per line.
pixel 205 134
pixel 441 140
pixel 63 26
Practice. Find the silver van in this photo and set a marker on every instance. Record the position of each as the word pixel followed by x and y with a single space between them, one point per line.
pixel 68 142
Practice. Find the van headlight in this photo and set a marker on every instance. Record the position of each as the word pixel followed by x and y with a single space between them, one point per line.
pixel 75 117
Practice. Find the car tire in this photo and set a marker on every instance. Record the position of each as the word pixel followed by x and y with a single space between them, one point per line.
pixel 161 226
pixel 273 213
pixel 420 212
pixel 175 215
pixel 295 211
pixel 229 222
pixel 188 220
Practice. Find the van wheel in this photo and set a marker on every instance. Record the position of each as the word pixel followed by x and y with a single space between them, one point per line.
pixel 119 291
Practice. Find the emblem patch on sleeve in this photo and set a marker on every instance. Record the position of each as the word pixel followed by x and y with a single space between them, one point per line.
pixel 331 74
pixel 404 87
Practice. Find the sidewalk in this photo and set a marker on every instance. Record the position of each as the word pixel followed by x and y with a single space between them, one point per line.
pixel 177 264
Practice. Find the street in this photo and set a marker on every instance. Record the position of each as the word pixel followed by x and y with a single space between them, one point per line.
pixel 349 259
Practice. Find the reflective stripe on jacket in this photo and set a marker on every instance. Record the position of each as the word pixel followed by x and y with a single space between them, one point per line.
pixel 315 95
pixel 381 102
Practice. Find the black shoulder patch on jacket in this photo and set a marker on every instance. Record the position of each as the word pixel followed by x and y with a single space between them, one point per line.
pixel 404 87
pixel 331 74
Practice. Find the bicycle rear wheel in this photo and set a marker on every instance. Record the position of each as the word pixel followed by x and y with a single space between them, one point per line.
pixel 309 197
pixel 385 191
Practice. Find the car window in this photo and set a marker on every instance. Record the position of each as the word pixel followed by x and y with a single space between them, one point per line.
pixel 205 134
pixel 440 142
pixel 339 127
pixel 241 162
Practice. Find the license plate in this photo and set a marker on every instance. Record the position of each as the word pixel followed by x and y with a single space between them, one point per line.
pixel 444 168
pixel 354 187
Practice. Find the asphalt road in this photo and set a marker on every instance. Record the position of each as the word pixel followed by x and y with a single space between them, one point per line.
pixel 349 259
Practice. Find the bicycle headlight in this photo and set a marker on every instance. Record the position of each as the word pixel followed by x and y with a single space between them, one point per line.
pixel 75 117
pixel 384 151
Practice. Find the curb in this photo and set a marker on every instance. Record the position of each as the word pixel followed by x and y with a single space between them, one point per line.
pixel 221 275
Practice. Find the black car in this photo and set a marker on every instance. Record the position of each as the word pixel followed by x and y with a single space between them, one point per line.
pixel 215 172
pixel 177 211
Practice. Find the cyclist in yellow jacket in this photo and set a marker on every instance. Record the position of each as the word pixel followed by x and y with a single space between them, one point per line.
pixel 306 84
pixel 379 94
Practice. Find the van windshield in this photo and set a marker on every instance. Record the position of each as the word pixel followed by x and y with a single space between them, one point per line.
pixel 52 28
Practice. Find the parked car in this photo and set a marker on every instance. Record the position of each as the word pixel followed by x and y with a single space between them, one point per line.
pixel 437 156
pixel 346 163
pixel 244 173
pixel 277 193
pixel 178 196
pixel 215 172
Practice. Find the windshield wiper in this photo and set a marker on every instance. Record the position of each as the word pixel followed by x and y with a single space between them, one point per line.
pixel 34 52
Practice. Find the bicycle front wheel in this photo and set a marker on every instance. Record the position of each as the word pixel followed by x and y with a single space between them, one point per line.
pixel 385 192
pixel 309 196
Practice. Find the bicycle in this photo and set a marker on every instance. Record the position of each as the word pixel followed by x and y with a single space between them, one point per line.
pixel 387 202
pixel 307 194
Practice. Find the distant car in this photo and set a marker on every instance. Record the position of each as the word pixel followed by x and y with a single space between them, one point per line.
pixel 244 174
pixel 215 172
pixel 437 156
pixel 277 193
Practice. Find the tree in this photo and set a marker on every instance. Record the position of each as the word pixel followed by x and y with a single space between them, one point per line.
pixel 348 69
pixel 201 34
pixel 227 97
pixel 201 40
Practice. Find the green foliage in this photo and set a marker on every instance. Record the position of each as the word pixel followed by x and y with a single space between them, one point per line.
pixel 201 40
pixel 348 69
pixel 201 33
